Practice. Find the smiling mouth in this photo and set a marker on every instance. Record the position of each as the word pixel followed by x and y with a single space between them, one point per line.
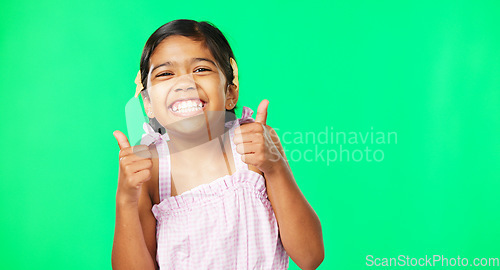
pixel 187 107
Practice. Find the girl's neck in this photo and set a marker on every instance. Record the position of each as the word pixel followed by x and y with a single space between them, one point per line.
pixel 201 150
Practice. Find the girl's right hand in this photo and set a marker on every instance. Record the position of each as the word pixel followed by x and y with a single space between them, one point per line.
pixel 135 169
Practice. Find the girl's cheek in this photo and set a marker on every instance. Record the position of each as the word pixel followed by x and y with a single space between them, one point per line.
pixel 158 101
pixel 160 90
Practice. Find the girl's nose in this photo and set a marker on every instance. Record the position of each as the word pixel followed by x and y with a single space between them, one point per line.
pixel 185 82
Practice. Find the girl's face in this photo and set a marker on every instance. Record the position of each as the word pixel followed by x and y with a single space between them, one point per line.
pixel 185 85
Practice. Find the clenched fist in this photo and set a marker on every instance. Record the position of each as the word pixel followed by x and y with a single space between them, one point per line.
pixel 135 168
pixel 259 144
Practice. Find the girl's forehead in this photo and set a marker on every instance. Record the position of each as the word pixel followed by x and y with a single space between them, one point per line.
pixel 180 50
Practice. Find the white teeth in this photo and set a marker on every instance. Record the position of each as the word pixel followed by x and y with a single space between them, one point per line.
pixel 187 106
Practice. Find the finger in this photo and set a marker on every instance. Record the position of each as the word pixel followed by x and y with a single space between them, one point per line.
pixel 247 137
pixel 141 177
pixel 133 150
pixel 140 165
pixel 262 112
pixel 146 154
pixel 249 128
pixel 249 159
pixel 246 148
pixel 121 139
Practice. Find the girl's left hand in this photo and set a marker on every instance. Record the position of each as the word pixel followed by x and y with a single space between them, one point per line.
pixel 258 143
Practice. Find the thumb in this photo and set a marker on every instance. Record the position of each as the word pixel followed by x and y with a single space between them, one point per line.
pixel 121 139
pixel 262 112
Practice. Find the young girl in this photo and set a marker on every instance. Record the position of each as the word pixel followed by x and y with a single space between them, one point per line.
pixel 205 190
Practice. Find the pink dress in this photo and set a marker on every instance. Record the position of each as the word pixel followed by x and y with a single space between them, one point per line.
pixel 225 224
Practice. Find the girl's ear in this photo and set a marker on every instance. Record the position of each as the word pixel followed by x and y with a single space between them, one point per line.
pixel 148 108
pixel 232 95
pixel 138 89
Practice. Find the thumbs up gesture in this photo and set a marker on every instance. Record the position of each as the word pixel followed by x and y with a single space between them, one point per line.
pixel 135 169
pixel 258 143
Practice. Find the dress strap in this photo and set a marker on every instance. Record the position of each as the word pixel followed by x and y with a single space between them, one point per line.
pixel 164 173
pixel 246 117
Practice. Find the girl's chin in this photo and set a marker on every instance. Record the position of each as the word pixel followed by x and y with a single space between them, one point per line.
pixel 187 123
pixel 196 124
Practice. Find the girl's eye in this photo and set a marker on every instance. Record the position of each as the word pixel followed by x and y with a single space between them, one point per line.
pixel 201 70
pixel 164 74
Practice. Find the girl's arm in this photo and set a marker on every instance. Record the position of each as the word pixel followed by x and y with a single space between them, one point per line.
pixel 148 220
pixel 299 226
pixel 134 245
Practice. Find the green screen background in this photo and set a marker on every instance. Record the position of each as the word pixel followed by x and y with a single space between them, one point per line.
pixel 427 70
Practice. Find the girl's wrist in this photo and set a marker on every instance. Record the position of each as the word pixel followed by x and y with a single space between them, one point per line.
pixel 277 168
pixel 123 203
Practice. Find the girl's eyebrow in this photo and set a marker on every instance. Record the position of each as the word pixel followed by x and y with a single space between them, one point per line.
pixel 197 59
pixel 168 63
